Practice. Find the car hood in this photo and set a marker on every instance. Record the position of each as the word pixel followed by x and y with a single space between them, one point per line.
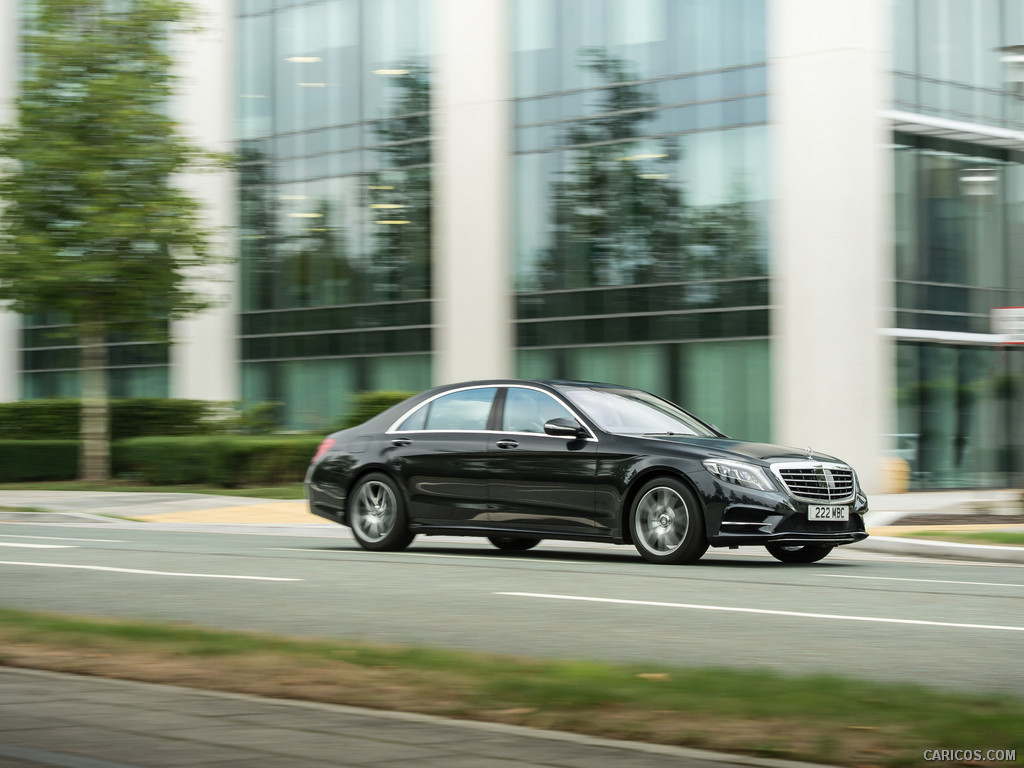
pixel 723 447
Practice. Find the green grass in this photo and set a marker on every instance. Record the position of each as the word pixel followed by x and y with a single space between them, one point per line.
pixel 286 491
pixel 1003 538
pixel 823 719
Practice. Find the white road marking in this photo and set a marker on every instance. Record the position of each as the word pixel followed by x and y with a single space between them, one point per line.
pixel 762 611
pixel 484 553
pixel 59 538
pixel 925 581
pixel 149 573
pixel 36 546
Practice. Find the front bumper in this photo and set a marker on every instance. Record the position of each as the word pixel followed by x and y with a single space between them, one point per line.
pixel 742 517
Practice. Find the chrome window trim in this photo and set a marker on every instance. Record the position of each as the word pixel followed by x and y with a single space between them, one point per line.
pixel 776 466
pixel 393 429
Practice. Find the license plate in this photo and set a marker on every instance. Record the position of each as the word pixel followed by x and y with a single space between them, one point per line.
pixel 828 513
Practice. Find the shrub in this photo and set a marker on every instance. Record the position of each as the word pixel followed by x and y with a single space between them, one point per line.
pixel 39 420
pixel 26 461
pixel 162 416
pixel 58 419
pixel 369 404
pixel 223 460
pixel 256 419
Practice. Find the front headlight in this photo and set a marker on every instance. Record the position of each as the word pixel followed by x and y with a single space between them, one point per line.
pixel 738 473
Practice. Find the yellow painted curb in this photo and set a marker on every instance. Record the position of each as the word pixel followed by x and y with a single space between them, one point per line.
pixel 896 530
pixel 271 513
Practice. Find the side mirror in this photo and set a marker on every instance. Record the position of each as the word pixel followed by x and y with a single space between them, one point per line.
pixel 564 427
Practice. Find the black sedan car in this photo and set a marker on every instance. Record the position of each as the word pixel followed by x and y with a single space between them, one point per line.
pixel 522 461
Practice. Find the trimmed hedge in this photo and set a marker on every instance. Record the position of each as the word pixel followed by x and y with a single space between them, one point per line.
pixel 366 405
pixel 58 419
pixel 39 420
pixel 142 417
pixel 27 461
pixel 215 460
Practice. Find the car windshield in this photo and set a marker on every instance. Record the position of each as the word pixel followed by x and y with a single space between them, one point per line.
pixel 634 412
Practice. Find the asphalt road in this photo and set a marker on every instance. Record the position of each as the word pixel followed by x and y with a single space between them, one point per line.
pixel 947 624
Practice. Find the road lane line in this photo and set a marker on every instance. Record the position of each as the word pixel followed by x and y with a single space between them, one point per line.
pixel 924 581
pixel 59 538
pixel 36 546
pixel 762 611
pixel 484 555
pixel 149 573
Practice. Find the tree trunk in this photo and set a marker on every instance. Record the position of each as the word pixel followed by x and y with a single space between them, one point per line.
pixel 94 426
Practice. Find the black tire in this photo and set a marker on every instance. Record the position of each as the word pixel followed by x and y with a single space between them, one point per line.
pixel 799 553
pixel 666 523
pixel 513 544
pixel 377 514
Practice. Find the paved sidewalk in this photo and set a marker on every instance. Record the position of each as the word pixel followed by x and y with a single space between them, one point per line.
pixel 167 507
pixel 83 722
pixel 958 507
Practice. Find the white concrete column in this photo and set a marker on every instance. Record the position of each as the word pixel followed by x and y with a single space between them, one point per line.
pixel 831 233
pixel 10 337
pixel 472 180
pixel 205 356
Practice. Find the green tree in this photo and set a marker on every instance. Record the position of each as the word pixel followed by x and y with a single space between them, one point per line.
pixel 92 223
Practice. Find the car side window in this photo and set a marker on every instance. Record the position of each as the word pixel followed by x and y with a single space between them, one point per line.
pixel 417 420
pixel 468 409
pixel 526 410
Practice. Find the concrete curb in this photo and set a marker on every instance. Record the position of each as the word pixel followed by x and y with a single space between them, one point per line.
pixel 940 550
pixel 682 754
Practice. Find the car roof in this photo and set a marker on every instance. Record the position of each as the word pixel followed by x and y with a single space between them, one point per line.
pixel 552 383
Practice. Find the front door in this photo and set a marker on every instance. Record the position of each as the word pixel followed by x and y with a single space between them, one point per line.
pixel 538 482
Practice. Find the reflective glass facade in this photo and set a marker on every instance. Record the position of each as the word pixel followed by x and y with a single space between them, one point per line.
pixel 51 356
pixel 959 220
pixel 335 202
pixel 640 221
pixel 947 60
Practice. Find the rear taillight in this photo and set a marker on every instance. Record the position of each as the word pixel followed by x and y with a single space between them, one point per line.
pixel 325 446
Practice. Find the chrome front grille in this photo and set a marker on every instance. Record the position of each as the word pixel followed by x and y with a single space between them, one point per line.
pixel 814 481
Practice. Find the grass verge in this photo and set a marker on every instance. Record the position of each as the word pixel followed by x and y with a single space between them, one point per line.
pixel 821 719
pixel 287 491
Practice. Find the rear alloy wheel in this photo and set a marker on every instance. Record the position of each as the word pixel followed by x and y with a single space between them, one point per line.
pixel 667 523
pixel 377 515
pixel 798 553
pixel 513 544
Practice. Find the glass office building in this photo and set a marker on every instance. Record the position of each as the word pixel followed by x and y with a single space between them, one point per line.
pixel 792 217
pixel 641 191
pixel 335 202
pixel 958 220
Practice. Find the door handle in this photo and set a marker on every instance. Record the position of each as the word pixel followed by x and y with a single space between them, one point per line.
pixel 508 443
pixel 401 442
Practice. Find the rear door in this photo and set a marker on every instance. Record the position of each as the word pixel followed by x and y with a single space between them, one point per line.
pixel 440 452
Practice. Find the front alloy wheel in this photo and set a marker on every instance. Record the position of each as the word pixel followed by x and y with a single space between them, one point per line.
pixel 377 514
pixel 667 524
pixel 798 553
